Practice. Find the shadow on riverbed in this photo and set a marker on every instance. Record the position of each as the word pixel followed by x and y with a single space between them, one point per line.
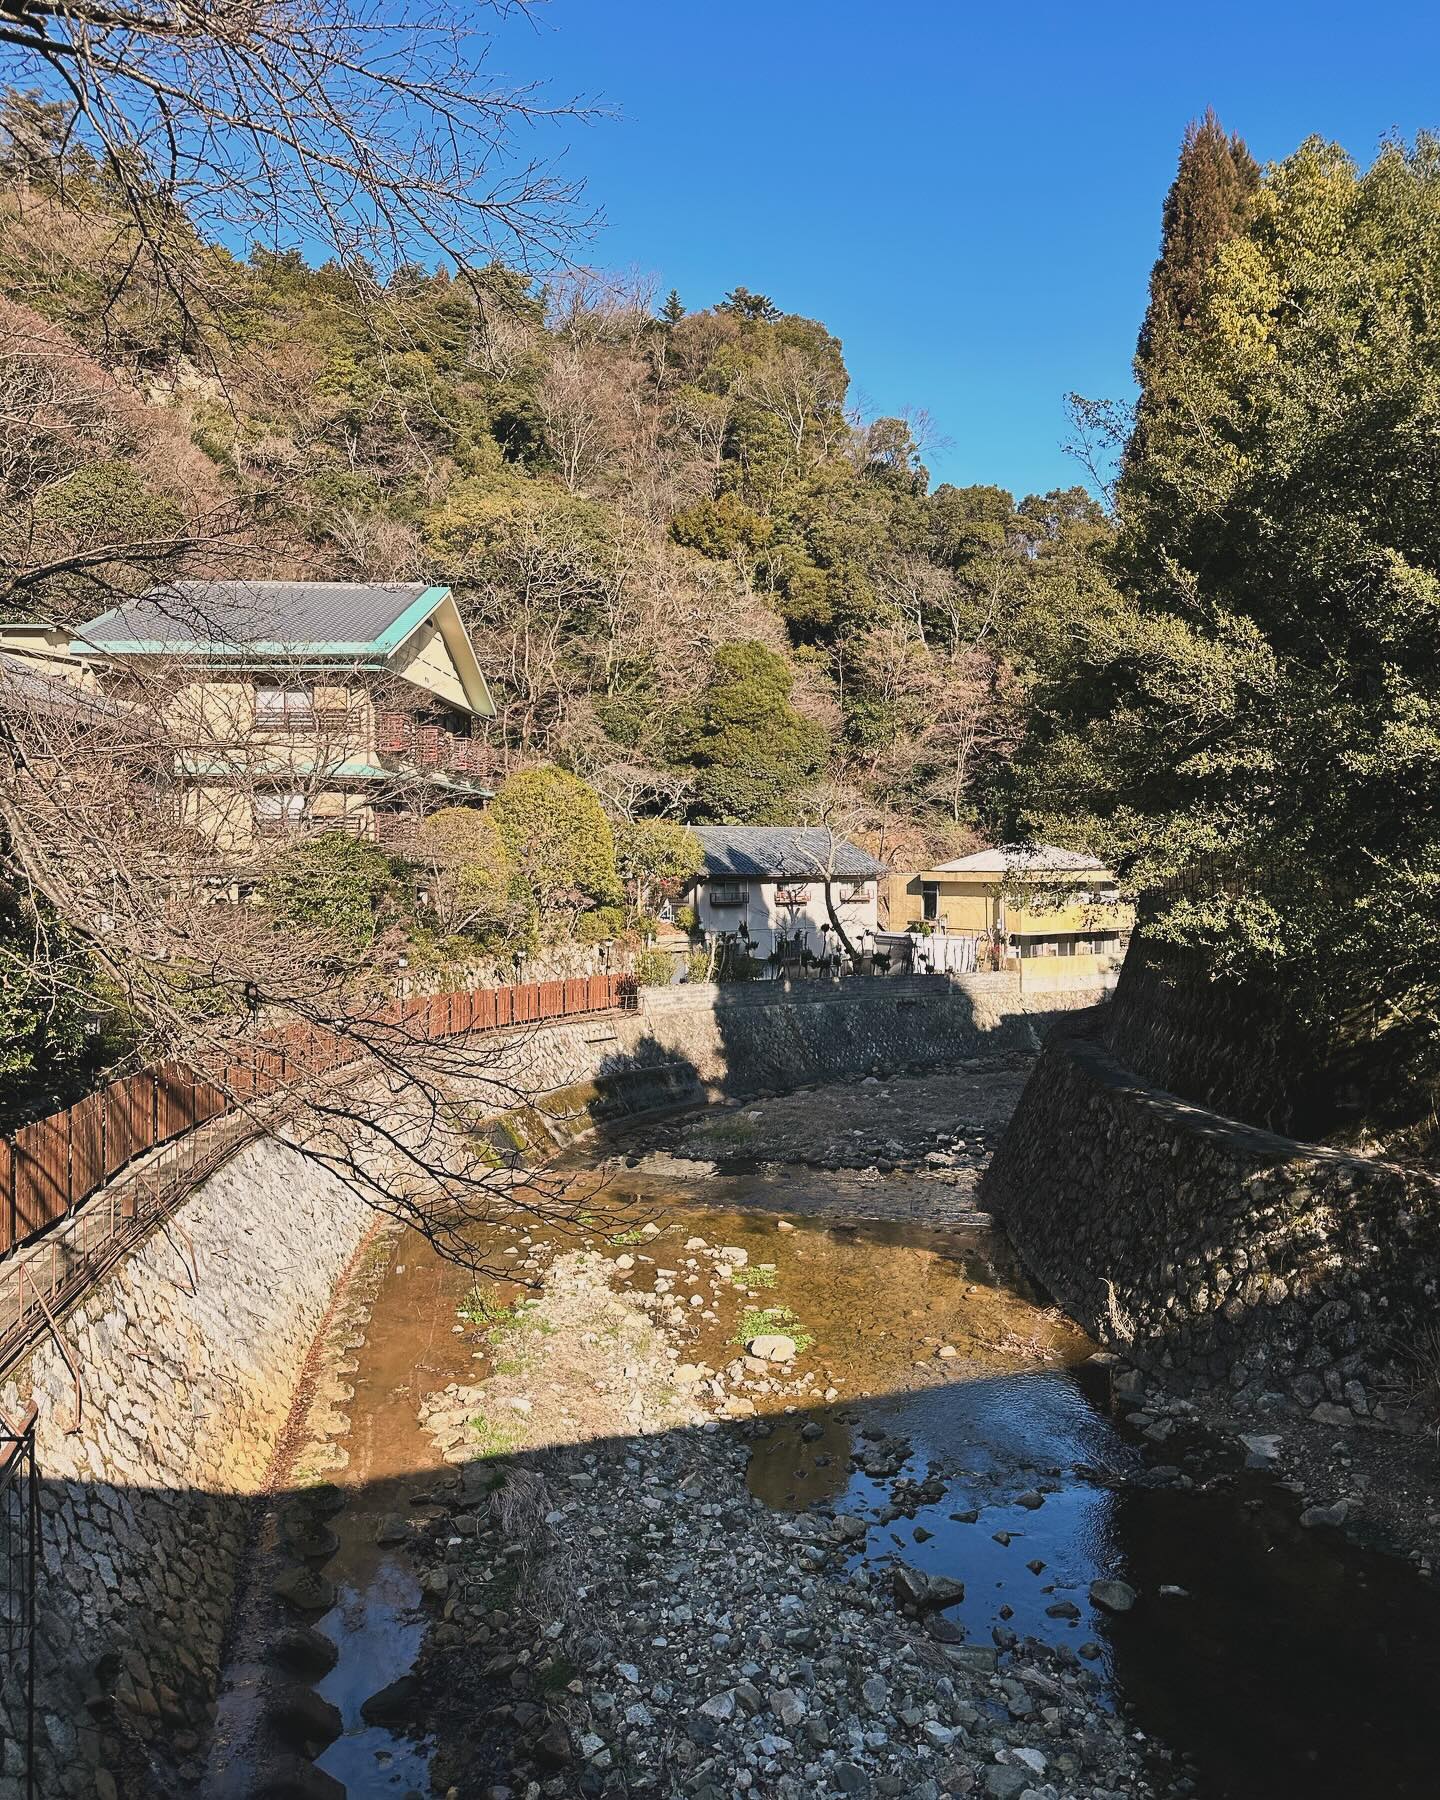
pixel 1287 1662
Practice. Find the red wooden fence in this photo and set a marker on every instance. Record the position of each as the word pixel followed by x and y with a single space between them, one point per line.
pixel 48 1167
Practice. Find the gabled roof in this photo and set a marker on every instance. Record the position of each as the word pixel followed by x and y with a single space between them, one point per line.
pixel 285 618
pixel 783 853
pixel 1021 859
pixel 246 624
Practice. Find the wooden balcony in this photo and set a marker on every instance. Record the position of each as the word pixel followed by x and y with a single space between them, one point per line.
pixel 432 747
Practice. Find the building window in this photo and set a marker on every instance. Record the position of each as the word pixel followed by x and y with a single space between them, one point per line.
pixel 284 707
pixel 277 815
pixel 929 899
pixel 792 894
pixel 728 893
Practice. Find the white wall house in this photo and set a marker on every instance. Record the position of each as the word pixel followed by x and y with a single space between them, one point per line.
pixel 769 883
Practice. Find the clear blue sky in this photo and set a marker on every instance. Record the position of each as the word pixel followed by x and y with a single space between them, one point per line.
pixel 968 196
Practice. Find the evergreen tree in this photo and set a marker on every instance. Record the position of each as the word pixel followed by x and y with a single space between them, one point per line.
pixel 1210 199
pixel 757 309
pixel 673 311
pixel 752 749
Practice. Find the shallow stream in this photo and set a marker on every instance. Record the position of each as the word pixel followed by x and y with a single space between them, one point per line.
pixel 1270 1660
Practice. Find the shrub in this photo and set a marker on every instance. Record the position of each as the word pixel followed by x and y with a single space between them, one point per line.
pixel 331 883
pixel 655 968
pixel 599 923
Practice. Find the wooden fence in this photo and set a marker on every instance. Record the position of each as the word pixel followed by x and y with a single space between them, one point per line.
pixel 49 1167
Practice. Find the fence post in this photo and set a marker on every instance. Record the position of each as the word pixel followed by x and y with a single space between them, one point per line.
pixel 7 1193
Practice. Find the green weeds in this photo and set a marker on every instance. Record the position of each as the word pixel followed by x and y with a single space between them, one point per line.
pixel 754 1276
pixel 773 1321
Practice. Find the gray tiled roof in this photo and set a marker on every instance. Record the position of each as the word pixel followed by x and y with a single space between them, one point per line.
pixel 785 853
pixel 322 617
pixel 23 685
pixel 1006 859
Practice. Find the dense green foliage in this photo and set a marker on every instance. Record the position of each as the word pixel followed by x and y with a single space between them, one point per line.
pixel 1255 734
pixel 334 884
pixel 752 749
pixel 59 1027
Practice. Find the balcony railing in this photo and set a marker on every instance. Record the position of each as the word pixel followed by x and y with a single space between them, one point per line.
pixel 431 746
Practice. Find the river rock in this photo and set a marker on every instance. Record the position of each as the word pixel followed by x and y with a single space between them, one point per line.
pixel 305 1721
pixel 552 1747
pixel 297 1778
pixel 392 1705
pixel 304 1588
pixel 304 1651
pixel 1334 1514
pixel 1112 1596
pixel 772 1346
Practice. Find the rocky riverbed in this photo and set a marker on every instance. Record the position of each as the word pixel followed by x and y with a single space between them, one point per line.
pixel 640 1622
pixel 761 1478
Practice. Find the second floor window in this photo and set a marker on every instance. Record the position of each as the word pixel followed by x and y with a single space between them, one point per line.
pixel 284 707
pixel 930 899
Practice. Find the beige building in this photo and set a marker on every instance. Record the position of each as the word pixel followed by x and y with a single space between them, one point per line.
pixel 296 706
pixel 1018 902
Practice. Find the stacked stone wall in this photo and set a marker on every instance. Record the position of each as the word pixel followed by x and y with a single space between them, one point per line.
pixel 1213 1251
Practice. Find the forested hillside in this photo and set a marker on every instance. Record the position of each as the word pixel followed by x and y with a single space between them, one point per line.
pixel 696 575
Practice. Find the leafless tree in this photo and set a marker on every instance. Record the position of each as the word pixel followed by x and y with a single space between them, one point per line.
pixel 372 128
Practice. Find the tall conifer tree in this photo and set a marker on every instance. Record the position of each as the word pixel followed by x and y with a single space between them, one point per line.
pixel 1209 201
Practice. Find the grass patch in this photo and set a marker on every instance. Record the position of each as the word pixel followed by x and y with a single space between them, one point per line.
pixel 477 1308
pixel 500 1322
pixel 729 1131
pixel 753 1277
pixel 493 1439
pixel 635 1235
pixel 559 1674
pixel 773 1321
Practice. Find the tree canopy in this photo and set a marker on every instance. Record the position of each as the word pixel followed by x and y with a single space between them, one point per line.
pixel 1255 732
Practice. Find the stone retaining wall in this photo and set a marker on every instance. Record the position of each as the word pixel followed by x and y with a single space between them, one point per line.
pixel 1215 1251
pixel 749 1036
pixel 187 1355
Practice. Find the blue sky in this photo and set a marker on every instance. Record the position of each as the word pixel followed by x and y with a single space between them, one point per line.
pixel 968 196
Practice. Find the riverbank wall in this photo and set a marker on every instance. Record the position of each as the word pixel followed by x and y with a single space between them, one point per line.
pixel 1214 1252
